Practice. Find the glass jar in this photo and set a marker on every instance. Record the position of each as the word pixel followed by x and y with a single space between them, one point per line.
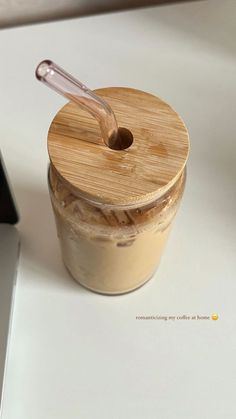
pixel 112 249
pixel 114 208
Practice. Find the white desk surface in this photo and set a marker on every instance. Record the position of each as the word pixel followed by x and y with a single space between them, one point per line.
pixel 74 354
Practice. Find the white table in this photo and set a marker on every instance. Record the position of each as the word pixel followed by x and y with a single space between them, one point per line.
pixel 74 354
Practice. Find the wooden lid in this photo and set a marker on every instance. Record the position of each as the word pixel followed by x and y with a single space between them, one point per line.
pixel 138 174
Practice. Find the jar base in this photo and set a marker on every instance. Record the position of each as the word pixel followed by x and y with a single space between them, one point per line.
pixel 110 293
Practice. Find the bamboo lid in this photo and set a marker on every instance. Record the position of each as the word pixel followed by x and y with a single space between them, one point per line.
pixel 138 174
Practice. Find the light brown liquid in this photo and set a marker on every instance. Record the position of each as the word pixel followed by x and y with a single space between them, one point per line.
pixel 111 250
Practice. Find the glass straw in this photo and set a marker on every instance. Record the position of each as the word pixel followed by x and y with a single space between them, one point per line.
pixel 63 83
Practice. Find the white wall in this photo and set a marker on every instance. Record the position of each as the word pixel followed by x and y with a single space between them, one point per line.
pixel 14 12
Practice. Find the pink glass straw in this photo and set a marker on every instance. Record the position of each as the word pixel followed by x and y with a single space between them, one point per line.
pixel 63 83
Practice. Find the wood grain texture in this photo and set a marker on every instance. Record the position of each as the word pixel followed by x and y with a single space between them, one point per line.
pixel 135 175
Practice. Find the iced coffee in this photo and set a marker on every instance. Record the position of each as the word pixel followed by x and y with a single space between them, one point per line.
pixel 108 249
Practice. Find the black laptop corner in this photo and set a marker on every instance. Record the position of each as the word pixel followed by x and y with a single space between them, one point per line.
pixel 8 211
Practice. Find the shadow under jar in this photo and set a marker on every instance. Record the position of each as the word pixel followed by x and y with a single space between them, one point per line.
pixel 114 218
